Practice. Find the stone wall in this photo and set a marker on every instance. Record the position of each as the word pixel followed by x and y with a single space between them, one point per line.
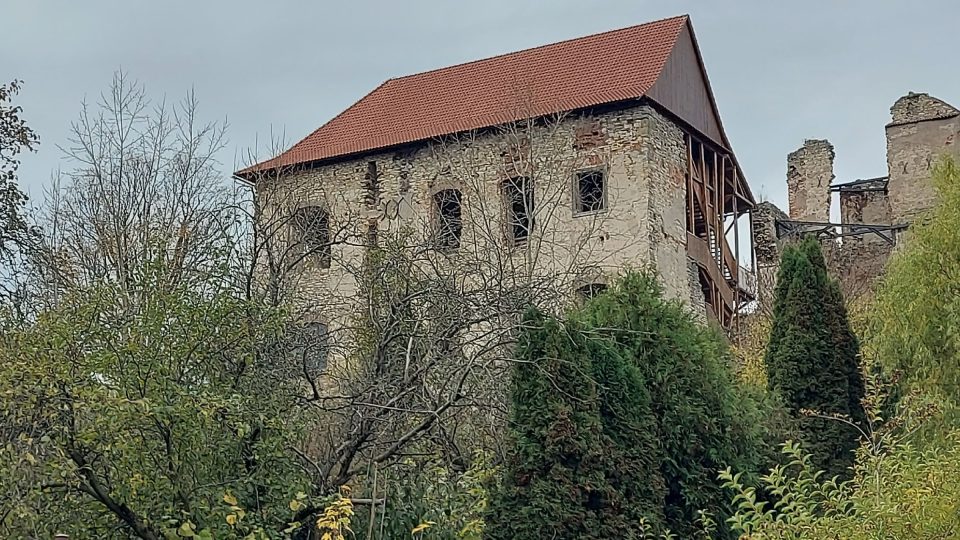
pixel 809 174
pixel 767 247
pixel 923 130
pixel 641 151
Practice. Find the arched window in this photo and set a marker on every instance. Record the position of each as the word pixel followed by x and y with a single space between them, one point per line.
pixel 312 224
pixel 449 213
pixel 518 196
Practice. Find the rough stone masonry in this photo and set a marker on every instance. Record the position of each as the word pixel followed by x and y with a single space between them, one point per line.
pixel 874 212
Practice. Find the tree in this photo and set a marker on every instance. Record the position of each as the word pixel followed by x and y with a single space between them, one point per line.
pixel 422 335
pixel 142 186
pixel 812 358
pixel 704 421
pixel 568 476
pixel 913 329
pixel 16 234
pixel 143 414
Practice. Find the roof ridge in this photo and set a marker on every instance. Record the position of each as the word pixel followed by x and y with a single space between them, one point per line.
pixel 685 16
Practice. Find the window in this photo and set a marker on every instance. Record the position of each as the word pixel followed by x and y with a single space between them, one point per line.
pixel 449 221
pixel 590 193
pixel 591 290
pixel 311 347
pixel 518 193
pixel 313 225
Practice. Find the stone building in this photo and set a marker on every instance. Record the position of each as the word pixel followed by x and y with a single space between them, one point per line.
pixel 874 212
pixel 573 161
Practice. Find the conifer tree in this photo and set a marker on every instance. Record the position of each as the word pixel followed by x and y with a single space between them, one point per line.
pixel 811 358
pixel 571 473
pixel 702 421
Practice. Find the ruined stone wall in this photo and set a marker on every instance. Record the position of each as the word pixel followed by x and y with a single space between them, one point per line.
pixel 767 246
pixel 923 129
pixel 641 151
pixel 870 205
pixel 809 173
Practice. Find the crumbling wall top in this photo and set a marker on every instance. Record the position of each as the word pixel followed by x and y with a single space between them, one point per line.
pixel 918 107
pixel 813 146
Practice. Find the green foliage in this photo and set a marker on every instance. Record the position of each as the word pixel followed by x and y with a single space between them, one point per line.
pixel 566 476
pixel 146 416
pixel 704 421
pixel 898 491
pixel 914 328
pixel 441 503
pixel 811 358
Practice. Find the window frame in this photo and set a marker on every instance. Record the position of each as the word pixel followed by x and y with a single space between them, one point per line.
pixel 304 347
pixel 576 195
pixel 590 290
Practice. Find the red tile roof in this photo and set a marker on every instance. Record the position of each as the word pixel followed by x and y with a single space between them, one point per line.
pixel 584 72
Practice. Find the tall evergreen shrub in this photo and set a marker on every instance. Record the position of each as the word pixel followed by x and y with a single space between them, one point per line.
pixel 811 358
pixel 582 463
pixel 703 421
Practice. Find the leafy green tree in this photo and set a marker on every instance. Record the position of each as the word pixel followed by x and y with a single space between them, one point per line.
pixel 16 234
pixel 898 490
pixel 702 420
pixel 147 416
pixel 811 358
pixel 914 328
pixel 560 478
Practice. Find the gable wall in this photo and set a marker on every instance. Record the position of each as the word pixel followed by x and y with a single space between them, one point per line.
pixel 684 91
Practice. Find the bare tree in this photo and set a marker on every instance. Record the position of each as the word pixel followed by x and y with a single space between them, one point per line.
pixel 423 299
pixel 143 188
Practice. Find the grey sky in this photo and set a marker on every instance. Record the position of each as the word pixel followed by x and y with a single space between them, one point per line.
pixel 781 71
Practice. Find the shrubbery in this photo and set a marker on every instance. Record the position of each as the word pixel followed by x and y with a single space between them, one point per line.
pixel 627 410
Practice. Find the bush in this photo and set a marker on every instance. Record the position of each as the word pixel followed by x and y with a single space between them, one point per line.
pixel 914 329
pixel 898 490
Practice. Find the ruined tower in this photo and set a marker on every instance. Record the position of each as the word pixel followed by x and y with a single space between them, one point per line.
pixel 923 129
pixel 809 173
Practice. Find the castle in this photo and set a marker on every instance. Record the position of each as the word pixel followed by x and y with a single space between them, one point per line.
pixel 874 212
pixel 551 168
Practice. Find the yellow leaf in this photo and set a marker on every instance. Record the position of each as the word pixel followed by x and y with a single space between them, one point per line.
pixel 295 505
pixel 422 527
pixel 231 519
pixel 229 499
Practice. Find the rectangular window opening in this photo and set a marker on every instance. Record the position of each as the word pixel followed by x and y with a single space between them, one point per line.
pixel 449 218
pixel 591 290
pixel 590 191
pixel 518 193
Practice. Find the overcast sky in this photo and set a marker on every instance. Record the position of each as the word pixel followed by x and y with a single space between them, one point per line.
pixel 781 71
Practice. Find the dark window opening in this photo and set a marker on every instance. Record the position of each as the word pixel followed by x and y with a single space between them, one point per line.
pixel 311 348
pixel 591 290
pixel 449 218
pixel 590 191
pixel 519 197
pixel 313 226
